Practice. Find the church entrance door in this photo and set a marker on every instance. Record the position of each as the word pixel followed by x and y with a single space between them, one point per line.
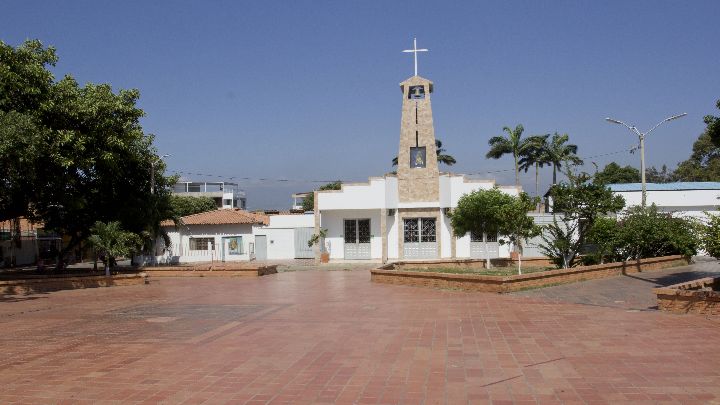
pixel 419 238
pixel 357 239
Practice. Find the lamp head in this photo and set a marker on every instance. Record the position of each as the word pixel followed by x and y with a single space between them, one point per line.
pixel 614 121
pixel 674 117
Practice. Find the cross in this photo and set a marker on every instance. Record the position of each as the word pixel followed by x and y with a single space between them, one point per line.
pixel 415 51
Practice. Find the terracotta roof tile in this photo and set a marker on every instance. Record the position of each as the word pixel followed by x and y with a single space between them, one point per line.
pixel 222 217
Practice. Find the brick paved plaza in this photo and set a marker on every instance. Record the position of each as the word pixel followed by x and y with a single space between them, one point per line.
pixel 335 337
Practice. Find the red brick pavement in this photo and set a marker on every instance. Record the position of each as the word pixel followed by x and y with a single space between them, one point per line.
pixel 334 337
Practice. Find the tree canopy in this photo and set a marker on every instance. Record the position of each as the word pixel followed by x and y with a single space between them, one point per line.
pixel 71 155
pixel 189 205
pixel 613 173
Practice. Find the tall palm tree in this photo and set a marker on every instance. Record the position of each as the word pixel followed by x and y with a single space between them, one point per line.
pixel 441 157
pixel 535 156
pixel 512 144
pixel 559 152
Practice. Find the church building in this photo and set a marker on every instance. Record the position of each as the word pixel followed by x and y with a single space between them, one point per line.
pixel 404 216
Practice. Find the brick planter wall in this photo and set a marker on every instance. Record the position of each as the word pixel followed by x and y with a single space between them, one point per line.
pixel 697 296
pixel 501 284
pixel 68 282
pixel 212 270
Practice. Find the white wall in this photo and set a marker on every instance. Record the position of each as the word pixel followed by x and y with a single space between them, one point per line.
pixel 445 236
pixel 180 239
pixel 691 203
pixel 392 237
pixel 281 234
pixel 333 221
pixel 354 196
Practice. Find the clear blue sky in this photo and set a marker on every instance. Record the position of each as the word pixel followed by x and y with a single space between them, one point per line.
pixel 308 90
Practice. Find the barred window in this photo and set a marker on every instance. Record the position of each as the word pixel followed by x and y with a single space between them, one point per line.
pixel 202 243
pixel 478 237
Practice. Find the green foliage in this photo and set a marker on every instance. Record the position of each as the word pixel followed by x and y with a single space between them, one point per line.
pixel 560 153
pixel 188 205
pixel 664 175
pixel 492 211
pixel 713 126
pixel 615 174
pixel 604 236
pixel 512 144
pixel 704 162
pixel 112 241
pixel 579 205
pixel 645 232
pixel 71 155
pixel 561 242
pixel 309 201
pixel 534 156
pixel 317 237
pixel 711 236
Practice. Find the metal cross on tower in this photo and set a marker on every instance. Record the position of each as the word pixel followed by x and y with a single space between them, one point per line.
pixel 415 51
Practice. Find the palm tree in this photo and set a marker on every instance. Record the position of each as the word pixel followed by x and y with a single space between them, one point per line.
pixel 512 144
pixel 535 156
pixel 441 157
pixel 559 152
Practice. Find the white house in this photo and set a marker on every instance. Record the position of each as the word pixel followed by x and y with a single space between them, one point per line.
pixel 220 235
pixel 225 194
pixel 686 199
pixel 235 235
pixel 404 215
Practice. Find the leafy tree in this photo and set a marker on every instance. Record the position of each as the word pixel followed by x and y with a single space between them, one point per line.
pixel 704 162
pixel 517 225
pixel 492 211
pixel 645 232
pixel 309 201
pixel 512 144
pixel 579 205
pixel 559 153
pixel 110 240
pixel 713 126
pixel 535 156
pixel 711 236
pixel 613 173
pixel 77 154
pixel 189 205
pixel 604 236
pixel 441 156
pixel 664 175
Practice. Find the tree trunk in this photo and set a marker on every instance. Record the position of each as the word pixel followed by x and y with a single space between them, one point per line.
pixel 517 171
pixel 487 253
pixel 554 174
pixel 519 252
pixel 537 181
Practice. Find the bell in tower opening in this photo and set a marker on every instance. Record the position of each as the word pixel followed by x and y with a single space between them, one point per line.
pixel 416 93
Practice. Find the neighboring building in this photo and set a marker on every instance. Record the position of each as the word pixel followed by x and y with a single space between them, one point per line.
pixel 18 242
pixel 225 195
pixel 220 235
pixel 236 235
pixel 688 199
pixel 404 216
pixel 298 199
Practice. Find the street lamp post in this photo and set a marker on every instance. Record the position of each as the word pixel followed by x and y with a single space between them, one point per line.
pixel 641 136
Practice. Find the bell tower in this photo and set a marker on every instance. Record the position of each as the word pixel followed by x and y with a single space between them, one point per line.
pixel 417 157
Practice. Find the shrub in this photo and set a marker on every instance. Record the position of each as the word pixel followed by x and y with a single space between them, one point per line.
pixel 645 232
pixel 711 236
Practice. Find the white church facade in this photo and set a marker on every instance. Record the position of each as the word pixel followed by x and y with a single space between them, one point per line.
pixel 404 216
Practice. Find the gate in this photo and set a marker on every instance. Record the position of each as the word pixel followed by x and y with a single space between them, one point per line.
pixel 357 239
pixel 419 238
pixel 260 247
pixel 302 250
pixel 477 248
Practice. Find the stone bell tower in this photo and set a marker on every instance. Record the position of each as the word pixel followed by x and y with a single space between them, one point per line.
pixel 417 157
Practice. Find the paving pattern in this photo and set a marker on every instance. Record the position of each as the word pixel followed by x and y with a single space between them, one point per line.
pixel 631 291
pixel 317 336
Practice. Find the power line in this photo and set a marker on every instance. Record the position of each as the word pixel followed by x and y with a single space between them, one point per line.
pixel 287 180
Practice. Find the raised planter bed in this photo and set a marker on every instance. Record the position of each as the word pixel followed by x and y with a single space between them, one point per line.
pixel 394 273
pixel 698 296
pixel 36 284
pixel 212 270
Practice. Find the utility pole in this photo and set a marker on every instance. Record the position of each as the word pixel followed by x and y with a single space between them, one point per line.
pixel 641 136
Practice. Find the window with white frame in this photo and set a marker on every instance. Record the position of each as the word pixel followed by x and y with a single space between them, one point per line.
pixel 202 243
